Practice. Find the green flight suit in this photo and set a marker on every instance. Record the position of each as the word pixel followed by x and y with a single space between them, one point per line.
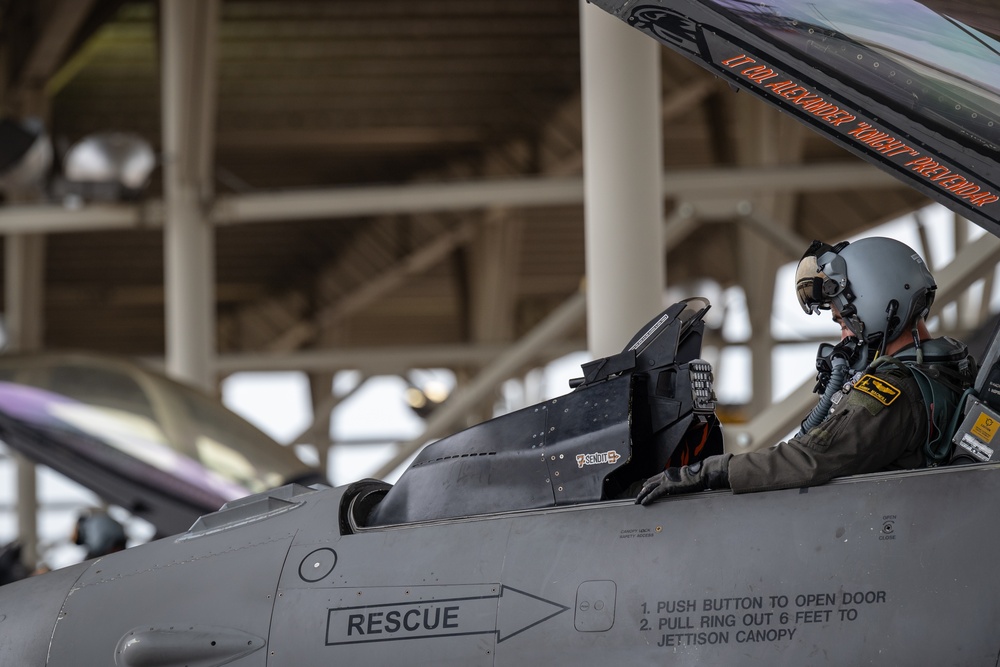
pixel 879 424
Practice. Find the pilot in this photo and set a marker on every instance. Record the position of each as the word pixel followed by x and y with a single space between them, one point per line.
pixel 889 390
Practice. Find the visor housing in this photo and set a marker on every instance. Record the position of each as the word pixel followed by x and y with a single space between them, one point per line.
pixel 820 277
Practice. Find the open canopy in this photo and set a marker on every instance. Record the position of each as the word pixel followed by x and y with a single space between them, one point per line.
pixel 913 87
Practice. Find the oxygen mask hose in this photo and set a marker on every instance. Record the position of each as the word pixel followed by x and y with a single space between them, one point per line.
pixel 834 364
pixel 838 375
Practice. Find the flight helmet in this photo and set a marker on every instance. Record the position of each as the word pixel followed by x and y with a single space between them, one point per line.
pixel 99 533
pixel 881 287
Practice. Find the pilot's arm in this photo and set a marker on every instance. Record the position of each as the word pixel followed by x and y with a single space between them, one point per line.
pixel 879 424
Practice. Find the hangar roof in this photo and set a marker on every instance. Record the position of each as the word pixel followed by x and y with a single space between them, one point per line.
pixel 322 95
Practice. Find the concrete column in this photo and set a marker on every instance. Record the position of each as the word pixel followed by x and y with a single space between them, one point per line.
pixel 623 167
pixel 188 53
pixel 321 393
pixel 24 284
pixel 492 280
pixel 24 287
pixel 768 139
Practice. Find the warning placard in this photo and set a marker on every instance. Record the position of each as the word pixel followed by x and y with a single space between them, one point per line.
pixel 985 427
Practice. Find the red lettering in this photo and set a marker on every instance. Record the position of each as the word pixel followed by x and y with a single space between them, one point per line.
pixel 780 86
pixel 881 141
pixel 797 89
pixel 820 108
pixel 952 180
pixel 803 98
pixel 829 113
pixel 862 126
pixel 736 61
pixel 893 145
pixel 928 166
pixel 759 73
pixel 872 136
pixel 846 119
pixel 903 149
pixel 946 174
pixel 949 180
pixel 764 76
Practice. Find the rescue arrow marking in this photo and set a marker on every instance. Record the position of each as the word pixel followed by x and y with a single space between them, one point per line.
pixel 505 614
pixel 526 607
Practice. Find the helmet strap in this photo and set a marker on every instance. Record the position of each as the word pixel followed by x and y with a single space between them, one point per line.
pixel 873 348
pixel 891 322
pixel 917 345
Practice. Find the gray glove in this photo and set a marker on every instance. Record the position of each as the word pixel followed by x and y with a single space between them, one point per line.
pixel 711 473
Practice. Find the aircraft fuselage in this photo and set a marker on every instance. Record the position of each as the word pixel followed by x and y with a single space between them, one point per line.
pixel 886 569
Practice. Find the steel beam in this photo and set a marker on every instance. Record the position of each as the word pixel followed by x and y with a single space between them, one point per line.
pixel 335 203
pixel 544 191
pixel 974 261
pixel 527 350
pixel 383 361
pixel 62 22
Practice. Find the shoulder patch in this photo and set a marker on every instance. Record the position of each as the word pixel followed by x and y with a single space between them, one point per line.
pixel 877 388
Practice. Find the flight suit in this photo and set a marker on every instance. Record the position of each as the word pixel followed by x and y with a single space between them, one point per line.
pixel 879 424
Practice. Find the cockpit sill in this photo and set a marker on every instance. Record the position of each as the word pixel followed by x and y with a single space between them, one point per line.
pixel 873 478
pixel 272 503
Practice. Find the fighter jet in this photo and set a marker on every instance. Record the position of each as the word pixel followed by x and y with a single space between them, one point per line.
pixel 165 451
pixel 516 542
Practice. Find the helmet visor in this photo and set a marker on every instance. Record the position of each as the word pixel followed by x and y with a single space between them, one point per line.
pixel 813 288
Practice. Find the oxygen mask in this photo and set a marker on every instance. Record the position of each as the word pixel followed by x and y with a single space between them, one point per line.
pixel 850 353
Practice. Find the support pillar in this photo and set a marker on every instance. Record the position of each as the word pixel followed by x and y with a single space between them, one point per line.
pixel 189 97
pixel 623 168
pixel 24 285
pixel 770 139
pixel 321 393
pixel 492 279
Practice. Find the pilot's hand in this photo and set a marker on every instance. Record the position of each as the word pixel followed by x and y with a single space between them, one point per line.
pixel 711 473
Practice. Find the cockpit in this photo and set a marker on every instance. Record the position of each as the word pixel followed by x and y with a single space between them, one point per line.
pixel 628 417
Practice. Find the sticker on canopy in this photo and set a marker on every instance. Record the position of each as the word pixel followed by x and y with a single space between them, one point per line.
pixel 877 388
pixel 598 458
pixel 667 25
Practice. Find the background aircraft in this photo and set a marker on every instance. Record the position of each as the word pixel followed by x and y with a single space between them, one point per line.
pixel 164 451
